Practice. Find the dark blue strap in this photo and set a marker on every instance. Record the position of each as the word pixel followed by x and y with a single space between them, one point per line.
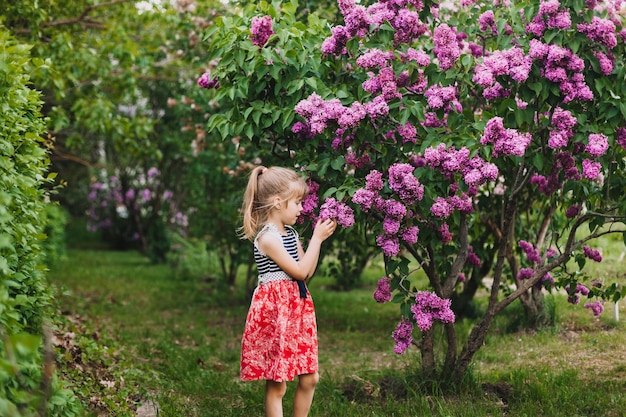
pixel 302 288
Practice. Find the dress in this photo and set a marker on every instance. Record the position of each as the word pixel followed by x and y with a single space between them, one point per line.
pixel 280 336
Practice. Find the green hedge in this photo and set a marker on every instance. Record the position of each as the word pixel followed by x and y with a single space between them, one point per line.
pixel 28 385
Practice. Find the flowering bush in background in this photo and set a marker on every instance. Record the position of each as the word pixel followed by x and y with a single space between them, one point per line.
pixel 135 211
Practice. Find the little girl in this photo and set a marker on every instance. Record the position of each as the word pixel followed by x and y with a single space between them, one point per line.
pixel 280 336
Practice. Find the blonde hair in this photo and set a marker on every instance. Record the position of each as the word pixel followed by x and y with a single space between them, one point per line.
pixel 263 185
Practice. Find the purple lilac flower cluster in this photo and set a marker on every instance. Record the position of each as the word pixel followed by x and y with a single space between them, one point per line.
pixel 487 21
pixel 447 48
pixel 111 203
pixel 564 163
pixel 506 141
pixel 532 254
pixel 597 145
pixel 596 307
pixel 319 113
pixel 205 81
pixel 441 98
pixel 549 16
pixel 562 66
pixel 396 220
pixel 621 137
pixel 511 62
pixel 261 30
pixel 310 202
pixel 592 254
pixel 563 123
pixel 472 258
pixel 429 307
pixel 359 19
pixel 442 207
pixel 403 336
pixel 574 296
pixel 383 290
pixel 573 211
pixel 337 210
pixel 450 161
pixel 600 30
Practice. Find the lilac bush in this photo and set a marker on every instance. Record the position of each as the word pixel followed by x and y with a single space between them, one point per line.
pixel 471 140
pixel 126 207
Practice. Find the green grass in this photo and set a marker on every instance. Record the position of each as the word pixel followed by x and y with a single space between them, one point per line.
pixel 177 342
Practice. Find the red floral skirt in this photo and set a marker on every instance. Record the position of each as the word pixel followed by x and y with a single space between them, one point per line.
pixel 280 337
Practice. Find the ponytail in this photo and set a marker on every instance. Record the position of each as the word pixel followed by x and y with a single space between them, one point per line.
pixel 250 215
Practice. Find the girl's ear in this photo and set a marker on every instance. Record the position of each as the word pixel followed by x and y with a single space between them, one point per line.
pixel 277 202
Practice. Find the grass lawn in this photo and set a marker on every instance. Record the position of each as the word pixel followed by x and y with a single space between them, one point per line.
pixel 135 334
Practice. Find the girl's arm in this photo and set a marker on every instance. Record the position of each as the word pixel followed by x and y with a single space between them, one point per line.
pixel 272 245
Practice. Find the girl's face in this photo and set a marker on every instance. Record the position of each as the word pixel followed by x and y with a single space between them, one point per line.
pixel 290 210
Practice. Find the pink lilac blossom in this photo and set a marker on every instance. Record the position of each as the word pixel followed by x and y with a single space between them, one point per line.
pixel 365 199
pixel 407 132
pixel 374 181
pixel 592 254
pixel 444 233
pixel 362 161
pixel 506 141
pixel 525 273
pixel 394 209
pixel 402 335
pixel 205 81
pixel 563 122
pixel 429 307
pixel 383 290
pixel 446 47
pixel 605 61
pixel 372 85
pixel 462 203
pixel 377 107
pixel 549 17
pixel 337 210
pixel 557 63
pixel 532 254
pixel 421 58
pixel 357 21
pixel 472 258
pixel 408 26
pixel 596 307
pixel 374 58
pixel 336 43
pixel 486 21
pixel 352 116
pixel 600 30
pixel 597 145
pixel 551 252
pixel 309 202
pixel 591 169
pixel 388 84
pixel 404 183
pixel 462 277
pixel 439 97
pixel 389 244
pixel 261 30
pixel 391 226
pixel 441 208
pixel 410 234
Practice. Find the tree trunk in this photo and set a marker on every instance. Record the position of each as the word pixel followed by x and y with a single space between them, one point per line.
pixel 428 354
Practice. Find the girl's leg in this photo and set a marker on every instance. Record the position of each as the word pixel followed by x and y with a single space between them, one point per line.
pixel 274 393
pixel 304 394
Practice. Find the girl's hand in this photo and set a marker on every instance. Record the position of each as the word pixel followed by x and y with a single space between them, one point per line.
pixel 324 229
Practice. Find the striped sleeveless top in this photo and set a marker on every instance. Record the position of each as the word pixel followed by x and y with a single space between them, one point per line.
pixel 268 269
